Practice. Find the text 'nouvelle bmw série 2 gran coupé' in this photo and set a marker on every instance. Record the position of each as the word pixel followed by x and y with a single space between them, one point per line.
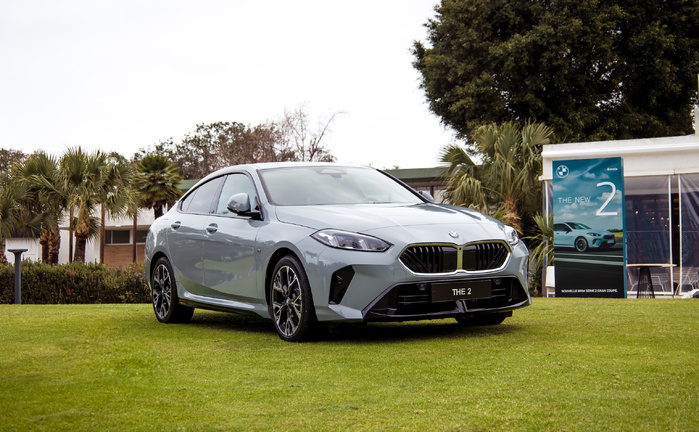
pixel 310 243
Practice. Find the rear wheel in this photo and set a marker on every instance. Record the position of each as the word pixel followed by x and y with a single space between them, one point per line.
pixel 290 301
pixel 483 320
pixel 166 304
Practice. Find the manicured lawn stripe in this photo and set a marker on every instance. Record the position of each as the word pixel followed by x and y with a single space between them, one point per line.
pixel 561 364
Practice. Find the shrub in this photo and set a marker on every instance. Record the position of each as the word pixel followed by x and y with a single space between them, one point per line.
pixel 75 283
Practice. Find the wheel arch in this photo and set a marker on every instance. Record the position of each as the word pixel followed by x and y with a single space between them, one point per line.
pixel 154 259
pixel 273 260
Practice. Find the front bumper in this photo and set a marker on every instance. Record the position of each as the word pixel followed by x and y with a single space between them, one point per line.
pixel 415 301
pixel 356 286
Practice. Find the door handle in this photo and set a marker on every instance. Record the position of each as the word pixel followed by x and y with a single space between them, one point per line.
pixel 176 225
pixel 212 228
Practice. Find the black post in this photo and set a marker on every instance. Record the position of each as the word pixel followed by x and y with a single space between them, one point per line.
pixel 18 274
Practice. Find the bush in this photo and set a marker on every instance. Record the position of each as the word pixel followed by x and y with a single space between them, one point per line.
pixel 75 283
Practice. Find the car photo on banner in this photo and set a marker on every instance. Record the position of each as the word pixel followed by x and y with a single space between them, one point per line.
pixel 581 237
pixel 304 244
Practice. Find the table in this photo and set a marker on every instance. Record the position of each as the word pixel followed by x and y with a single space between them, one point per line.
pixel 645 283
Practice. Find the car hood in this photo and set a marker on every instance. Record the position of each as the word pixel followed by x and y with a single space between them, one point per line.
pixel 416 218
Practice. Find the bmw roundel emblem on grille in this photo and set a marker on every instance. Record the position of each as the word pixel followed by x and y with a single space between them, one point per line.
pixel 453 234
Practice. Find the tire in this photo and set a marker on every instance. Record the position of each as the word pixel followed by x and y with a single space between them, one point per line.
pixel 166 304
pixel 290 301
pixel 581 244
pixel 483 320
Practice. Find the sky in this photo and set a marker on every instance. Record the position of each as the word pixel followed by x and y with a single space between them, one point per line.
pixel 124 75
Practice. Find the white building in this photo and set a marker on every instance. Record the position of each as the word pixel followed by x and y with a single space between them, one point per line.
pixel 661 186
pixel 118 244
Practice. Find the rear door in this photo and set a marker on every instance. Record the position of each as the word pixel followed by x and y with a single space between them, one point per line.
pixel 187 235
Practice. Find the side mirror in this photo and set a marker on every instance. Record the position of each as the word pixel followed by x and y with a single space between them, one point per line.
pixel 426 195
pixel 240 205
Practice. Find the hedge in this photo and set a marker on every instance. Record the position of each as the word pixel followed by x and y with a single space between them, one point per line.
pixel 75 283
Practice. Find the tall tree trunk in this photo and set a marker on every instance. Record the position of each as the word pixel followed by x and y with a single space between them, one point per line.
pixel 157 210
pixel 82 232
pixel 79 249
pixel 54 244
pixel 133 236
pixel 44 242
pixel 70 235
pixel 511 216
pixel 102 232
pixel 3 259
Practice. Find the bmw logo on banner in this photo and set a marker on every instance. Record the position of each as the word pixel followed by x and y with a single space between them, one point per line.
pixel 588 236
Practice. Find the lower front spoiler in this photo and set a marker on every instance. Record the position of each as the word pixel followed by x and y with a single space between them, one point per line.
pixel 411 302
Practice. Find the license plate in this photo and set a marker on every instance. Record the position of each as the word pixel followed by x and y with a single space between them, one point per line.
pixel 464 290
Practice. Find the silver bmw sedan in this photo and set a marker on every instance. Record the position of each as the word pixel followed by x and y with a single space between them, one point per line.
pixel 305 244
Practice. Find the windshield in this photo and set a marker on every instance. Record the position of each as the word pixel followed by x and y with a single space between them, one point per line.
pixel 578 226
pixel 323 185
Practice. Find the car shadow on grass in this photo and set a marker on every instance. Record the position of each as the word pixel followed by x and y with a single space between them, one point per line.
pixel 375 332
pixel 412 331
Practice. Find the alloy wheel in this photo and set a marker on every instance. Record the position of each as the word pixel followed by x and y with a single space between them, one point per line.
pixel 287 301
pixel 162 291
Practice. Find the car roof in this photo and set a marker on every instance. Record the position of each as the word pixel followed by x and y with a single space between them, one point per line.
pixel 271 165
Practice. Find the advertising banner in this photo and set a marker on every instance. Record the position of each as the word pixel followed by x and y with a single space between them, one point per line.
pixel 588 237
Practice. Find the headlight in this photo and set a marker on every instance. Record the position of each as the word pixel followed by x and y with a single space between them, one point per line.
pixel 349 240
pixel 591 234
pixel 511 235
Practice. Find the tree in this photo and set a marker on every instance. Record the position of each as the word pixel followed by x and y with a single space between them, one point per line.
pixel 300 139
pixel 506 184
pixel 8 218
pixel 89 180
pixel 46 203
pixel 16 216
pixel 155 181
pixel 589 69
pixel 8 158
pixel 217 145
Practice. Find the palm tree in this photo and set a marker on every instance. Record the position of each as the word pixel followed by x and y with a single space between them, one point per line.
pixel 89 180
pixel 16 215
pixel 156 181
pixel 542 252
pixel 47 203
pixel 116 193
pixel 8 218
pixel 508 177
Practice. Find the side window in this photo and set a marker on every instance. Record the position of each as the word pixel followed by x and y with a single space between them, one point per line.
pixel 202 198
pixel 235 184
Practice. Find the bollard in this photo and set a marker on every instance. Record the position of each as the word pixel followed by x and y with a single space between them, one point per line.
pixel 18 274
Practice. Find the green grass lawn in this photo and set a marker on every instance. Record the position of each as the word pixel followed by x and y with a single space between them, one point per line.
pixel 559 365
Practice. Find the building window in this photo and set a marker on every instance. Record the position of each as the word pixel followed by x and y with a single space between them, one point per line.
pixel 117 237
pixel 141 236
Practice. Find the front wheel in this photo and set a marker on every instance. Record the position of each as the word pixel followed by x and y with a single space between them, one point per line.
pixel 166 304
pixel 290 301
pixel 581 244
